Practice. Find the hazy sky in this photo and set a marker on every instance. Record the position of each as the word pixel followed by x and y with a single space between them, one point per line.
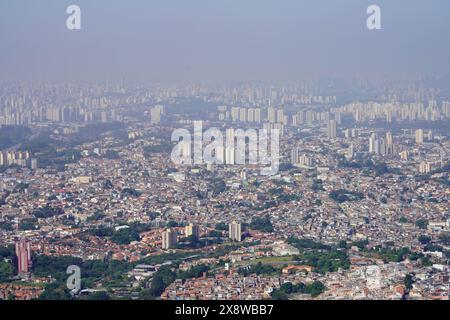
pixel 221 39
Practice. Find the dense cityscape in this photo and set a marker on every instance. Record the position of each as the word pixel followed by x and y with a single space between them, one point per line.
pixel 356 208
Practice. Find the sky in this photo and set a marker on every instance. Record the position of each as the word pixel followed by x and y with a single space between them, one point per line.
pixel 221 40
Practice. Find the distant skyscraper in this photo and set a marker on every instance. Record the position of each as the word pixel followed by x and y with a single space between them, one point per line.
pixel 271 114
pixel 258 115
pixel 295 155
pixel 372 143
pixel 242 114
pixel 389 143
pixel 34 164
pixel 305 161
pixel 430 135
pixel 404 155
pixel 350 152
pixel 222 112
pixel 299 159
pixel 235 113
pixel 377 149
pixel 425 167
pixel 169 239
pixel 234 231
pixel 280 116
pixel 23 252
pixel 389 116
pixel 251 115
pixel 192 230
pixel 338 117
pixel 419 136
pixel 332 132
pixel 155 114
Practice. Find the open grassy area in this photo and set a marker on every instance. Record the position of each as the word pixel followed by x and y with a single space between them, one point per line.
pixel 269 260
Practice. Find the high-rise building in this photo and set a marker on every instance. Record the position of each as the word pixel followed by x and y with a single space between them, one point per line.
pixel 251 115
pixel 258 115
pixel 192 230
pixel 169 239
pixel 23 252
pixel 332 133
pixel 404 155
pixel 222 112
pixel 337 116
pixel 155 114
pixel 34 164
pixel 242 114
pixel 425 167
pixel 372 143
pixel 305 161
pixel 280 116
pixel 271 114
pixel 419 136
pixel 235 113
pixel 234 231
pixel 430 136
pixel 295 155
pixel 389 116
pixel 350 152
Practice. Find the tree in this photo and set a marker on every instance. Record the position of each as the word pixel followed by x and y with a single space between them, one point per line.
pixel 342 244
pixel 6 270
pixel 262 224
pixel 423 239
pixel 403 219
pixel 408 281
pixel 161 279
pixel 47 212
pixel 221 226
pixel 422 223
pixel 315 288
pixel 215 234
pixel 445 238
pixel 279 295
pixel 6 226
pixel 193 272
pixel 125 236
pixel 55 291
pixel 100 295
pixel 28 224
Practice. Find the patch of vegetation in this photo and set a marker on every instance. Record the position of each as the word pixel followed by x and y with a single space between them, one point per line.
pixel 258 269
pixel 47 212
pixel 12 135
pixel 28 224
pixel 342 195
pixel 314 289
pixel 422 223
pixel 131 192
pixel 125 236
pixel 262 224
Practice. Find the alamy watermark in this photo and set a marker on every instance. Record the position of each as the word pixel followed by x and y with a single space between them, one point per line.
pixel 255 147
pixel 374 20
pixel 74 279
pixel 73 21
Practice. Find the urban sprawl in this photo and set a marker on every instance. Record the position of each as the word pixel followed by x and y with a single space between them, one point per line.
pixel 358 207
